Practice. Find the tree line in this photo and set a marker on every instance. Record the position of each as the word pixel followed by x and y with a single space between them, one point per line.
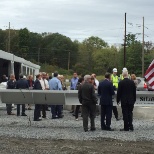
pixel 93 54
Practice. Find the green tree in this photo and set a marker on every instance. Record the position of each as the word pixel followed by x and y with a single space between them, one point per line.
pixel 24 42
pixel 3 40
pixel 35 41
pixel 95 42
pixel 56 50
pixel 105 60
pixel 87 49
pixel 133 55
pixel 131 39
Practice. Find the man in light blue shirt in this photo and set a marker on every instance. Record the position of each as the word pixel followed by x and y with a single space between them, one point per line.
pixel 55 84
pixel 74 81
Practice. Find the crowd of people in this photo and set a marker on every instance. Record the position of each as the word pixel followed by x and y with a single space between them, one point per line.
pixel 43 82
pixel 87 85
pixel 126 94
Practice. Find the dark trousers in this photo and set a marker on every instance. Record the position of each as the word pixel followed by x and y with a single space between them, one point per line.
pixel 43 111
pixel 115 111
pixel 62 108
pixel 127 111
pixel 9 108
pixel 37 111
pixel 56 110
pixel 73 108
pixel 88 110
pixel 97 110
pixel 106 112
pixel 77 111
pixel 18 109
pixel 46 107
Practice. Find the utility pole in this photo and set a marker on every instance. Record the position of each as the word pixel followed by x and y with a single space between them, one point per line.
pixel 143 51
pixel 68 61
pixel 9 39
pixel 125 44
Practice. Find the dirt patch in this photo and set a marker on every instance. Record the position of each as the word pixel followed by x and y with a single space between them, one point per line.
pixel 105 146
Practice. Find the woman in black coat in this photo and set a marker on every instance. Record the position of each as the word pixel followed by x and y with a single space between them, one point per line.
pixel 31 86
pixel 37 86
pixel 80 81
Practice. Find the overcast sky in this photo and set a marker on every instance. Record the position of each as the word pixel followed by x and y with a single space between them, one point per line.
pixel 80 19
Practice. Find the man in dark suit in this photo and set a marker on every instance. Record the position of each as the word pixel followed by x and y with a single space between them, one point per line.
pixel 37 86
pixel 106 91
pixel 11 84
pixel 127 95
pixel 21 84
pixel 87 98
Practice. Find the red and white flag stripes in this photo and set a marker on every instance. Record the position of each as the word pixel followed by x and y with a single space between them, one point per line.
pixel 149 75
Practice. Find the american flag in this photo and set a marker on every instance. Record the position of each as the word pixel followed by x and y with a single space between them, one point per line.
pixel 149 75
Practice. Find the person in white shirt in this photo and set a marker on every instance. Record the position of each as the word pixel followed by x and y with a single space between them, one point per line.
pixel 45 86
pixel 96 81
pixel 44 82
pixel 96 87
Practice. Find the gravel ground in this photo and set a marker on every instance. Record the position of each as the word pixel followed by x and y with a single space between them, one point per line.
pixel 68 128
pixel 18 135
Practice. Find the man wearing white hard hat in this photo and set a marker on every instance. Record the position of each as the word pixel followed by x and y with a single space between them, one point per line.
pixel 115 81
pixel 114 78
pixel 124 70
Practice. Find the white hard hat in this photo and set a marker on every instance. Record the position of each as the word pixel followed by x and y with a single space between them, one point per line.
pixel 124 69
pixel 114 70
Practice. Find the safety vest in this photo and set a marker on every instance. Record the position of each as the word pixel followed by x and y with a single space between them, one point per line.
pixel 121 76
pixel 115 80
